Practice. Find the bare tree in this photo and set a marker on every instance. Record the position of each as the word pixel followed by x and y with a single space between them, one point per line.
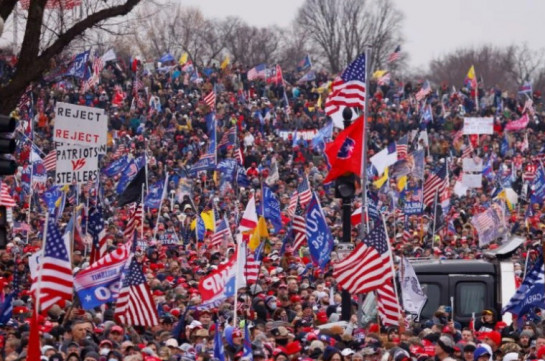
pixel 38 49
pixel 339 30
pixel 250 45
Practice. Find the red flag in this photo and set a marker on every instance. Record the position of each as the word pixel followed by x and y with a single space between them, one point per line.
pixel 33 351
pixel 344 153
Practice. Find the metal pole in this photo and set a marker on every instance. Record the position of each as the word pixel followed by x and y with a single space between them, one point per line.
pixel 363 228
pixel 346 300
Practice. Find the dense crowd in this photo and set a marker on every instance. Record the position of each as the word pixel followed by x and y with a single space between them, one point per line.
pixel 292 311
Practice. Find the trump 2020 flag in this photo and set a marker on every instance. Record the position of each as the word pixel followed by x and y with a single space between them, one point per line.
pixel 320 240
pixel 530 294
pixel 219 352
pixel 271 208
pixel 344 153
pixel 538 187
pixel 117 166
pixel 412 295
pixel 155 195
pixel 101 282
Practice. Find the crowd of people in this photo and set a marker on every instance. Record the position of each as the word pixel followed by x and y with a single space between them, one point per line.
pixel 292 311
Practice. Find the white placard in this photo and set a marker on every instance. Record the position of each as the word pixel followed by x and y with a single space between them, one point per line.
pixel 474 164
pixel 472 180
pixel 478 126
pixel 77 124
pixel 76 165
pixel 460 190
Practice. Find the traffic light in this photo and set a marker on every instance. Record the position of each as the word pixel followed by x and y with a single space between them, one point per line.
pixel 8 166
pixel 3 227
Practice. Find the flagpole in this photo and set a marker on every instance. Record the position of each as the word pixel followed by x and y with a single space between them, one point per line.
pixel 364 146
pixel 30 195
pixel 136 210
pixel 160 205
pixel 476 91
pixel 391 259
pixel 41 266
pixel 434 216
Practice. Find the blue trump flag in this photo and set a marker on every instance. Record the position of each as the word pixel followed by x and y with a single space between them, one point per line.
pixel 227 169
pixel 530 294
pixel 538 187
pixel 116 167
pixel 78 68
pixel 319 236
pixel 247 353
pixel 129 173
pixel 318 142
pixel 155 195
pixel 200 228
pixel 304 63
pixel 50 197
pixel 208 160
pixel 271 208
pixel 242 178
pixel 6 311
pixel 219 352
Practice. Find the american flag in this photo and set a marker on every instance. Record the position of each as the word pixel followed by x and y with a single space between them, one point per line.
pixel 228 138
pixel 388 306
pixel 367 268
pixel 50 160
pixel 304 192
pixel 98 234
pixel 134 223
pixel 484 220
pixel 395 55
pixel 210 100
pixel 56 279
pixel 385 79
pixel 5 198
pixel 135 305
pixel 529 172
pixel 257 72
pixel 299 227
pixel 251 269
pixel 407 235
pixel 222 232
pixel 292 204
pixel 402 147
pixel 424 91
pixel 457 136
pixel 239 156
pixel 436 182
pixel 348 89
pixel 468 151
pixel 120 151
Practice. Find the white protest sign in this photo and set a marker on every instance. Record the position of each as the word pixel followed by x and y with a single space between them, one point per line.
pixel 301 134
pixel 472 180
pixel 77 124
pixel 478 126
pixel 76 164
pixel 460 190
pixel 474 164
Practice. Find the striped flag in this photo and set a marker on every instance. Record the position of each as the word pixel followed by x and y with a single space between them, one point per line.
pixel 424 91
pixel 468 151
pixel 529 294
pixel 402 147
pixel 50 160
pixel 5 198
pixel 222 232
pixel 251 268
pixel 56 280
pixel 134 223
pixel 299 227
pixel 135 305
pixel 349 89
pixel 98 234
pixel 210 100
pixel 388 306
pixel 436 182
pixel 367 267
pixel 228 138
pixel 239 156
pixel 395 55
pixel 304 192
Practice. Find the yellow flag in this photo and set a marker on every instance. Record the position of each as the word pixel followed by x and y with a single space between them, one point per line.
pixel 225 62
pixel 319 102
pixel 207 218
pixel 471 73
pixel 260 232
pixel 379 73
pixel 183 59
pixel 380 182
pixel 401 183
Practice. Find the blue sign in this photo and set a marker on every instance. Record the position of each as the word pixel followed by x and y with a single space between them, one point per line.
pixel 319 236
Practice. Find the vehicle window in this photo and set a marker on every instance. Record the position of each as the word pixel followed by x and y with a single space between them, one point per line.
pixel 433 291
pixel 470 297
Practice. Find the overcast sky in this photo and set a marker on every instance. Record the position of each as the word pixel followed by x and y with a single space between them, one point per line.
pixel 431 27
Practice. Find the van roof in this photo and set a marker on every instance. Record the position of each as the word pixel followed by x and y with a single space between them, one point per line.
pixel 452 266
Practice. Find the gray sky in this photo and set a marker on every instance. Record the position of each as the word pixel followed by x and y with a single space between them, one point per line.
pixel 431 27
